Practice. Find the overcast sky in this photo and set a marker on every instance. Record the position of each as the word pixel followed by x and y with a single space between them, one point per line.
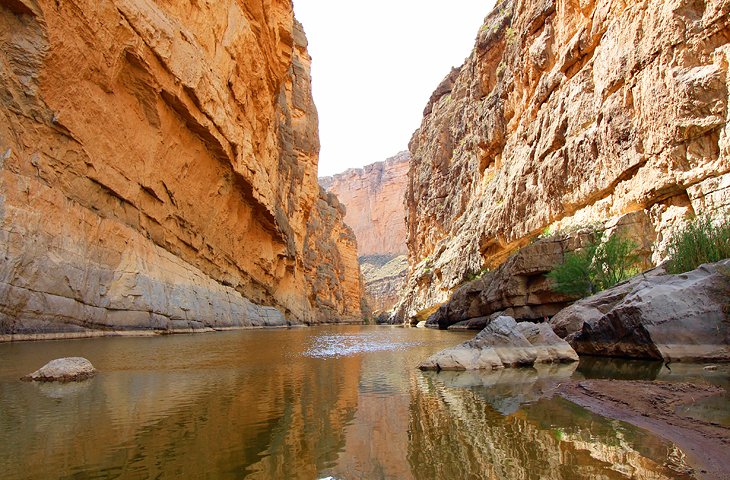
pixel 375 64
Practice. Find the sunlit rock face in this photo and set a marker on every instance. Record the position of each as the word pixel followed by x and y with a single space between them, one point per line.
pixel 567 114
pixel 159 170
pixel 373 197
pixel 374 200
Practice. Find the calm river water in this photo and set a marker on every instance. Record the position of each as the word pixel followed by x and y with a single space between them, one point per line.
pixel 311 403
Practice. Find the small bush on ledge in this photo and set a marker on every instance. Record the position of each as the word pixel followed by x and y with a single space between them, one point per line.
pixel 596 267
pixel 703 239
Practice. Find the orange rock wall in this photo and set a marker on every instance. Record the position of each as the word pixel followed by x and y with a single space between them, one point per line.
pixel 159 168
pixel 374 199
pixel 568 113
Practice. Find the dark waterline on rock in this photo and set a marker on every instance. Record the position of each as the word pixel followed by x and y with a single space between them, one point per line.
pixel 345 402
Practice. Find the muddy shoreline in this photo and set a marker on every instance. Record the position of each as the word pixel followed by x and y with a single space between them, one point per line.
pixel 652 405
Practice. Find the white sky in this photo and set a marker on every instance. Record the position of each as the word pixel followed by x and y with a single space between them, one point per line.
pixel 375 64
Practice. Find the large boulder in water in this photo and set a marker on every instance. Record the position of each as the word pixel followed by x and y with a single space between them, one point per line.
pixel 69 369
pixel 504 343
pixel 663 317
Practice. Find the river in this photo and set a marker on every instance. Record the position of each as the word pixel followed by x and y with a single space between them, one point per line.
pixel 341 402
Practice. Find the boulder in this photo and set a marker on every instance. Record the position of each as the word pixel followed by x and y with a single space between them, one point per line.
pixel 70 369
pixel 663 317
pixel 549 347
pixel 503 344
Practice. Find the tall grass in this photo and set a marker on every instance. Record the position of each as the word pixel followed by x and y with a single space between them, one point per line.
pixel 703 239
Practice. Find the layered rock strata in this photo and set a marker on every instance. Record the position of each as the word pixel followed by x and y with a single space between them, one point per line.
pixel 374 200
pixel 653 316
pixel 384 278
pixel 158 170
pixel 566 114
pixel 520 287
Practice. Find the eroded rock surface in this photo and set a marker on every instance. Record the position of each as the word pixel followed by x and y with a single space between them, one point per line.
pixel 504 343
pixel 654 316
pixel 70 369
pixel 564 114
pixel 158 170
pixel 518 288
pixel 384 278
pixel 374 198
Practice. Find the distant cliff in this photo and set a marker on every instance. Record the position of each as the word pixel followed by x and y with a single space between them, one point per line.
pixel 374 200
pixel 567 114
pixel 158 170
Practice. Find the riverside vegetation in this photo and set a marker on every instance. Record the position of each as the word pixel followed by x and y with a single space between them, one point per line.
pixel 703 239
pixel 596 267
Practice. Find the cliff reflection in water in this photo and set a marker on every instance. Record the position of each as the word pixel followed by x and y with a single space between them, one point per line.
pixel 502 425
pixel 196 409
pixel 291 404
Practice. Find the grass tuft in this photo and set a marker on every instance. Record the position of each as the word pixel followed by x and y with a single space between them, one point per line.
pixel 703 239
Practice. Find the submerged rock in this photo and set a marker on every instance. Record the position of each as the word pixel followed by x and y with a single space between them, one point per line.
pixel 70 369
pixel 504 343
pixel 663 317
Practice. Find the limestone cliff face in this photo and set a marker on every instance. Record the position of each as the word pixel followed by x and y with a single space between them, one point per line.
pixel 568 113
pixel 159 170
pixel 384 278
pixel 373 197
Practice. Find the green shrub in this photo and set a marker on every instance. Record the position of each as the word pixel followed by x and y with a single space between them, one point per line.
pixel 596 267
pixel 703 239
pixel 471 276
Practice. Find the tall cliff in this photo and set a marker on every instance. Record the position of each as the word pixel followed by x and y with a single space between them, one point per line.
pixel 374 199
pixel 159 170
pixel 568 113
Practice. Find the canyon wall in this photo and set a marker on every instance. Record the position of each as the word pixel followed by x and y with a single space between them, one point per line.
pixel 373 197
pixel 568 113
pixel 158 170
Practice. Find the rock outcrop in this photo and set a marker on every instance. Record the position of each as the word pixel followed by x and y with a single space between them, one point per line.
pixel 384 278
pixel 659 317
pixel 567 114
pixel 158 170
pixel 70 369
pixel 504 343
pixel 518 288
pixel 374 199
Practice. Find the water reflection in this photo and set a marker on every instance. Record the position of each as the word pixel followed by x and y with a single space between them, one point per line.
pixel 498 433
pixel 605 368
pixel 344 402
